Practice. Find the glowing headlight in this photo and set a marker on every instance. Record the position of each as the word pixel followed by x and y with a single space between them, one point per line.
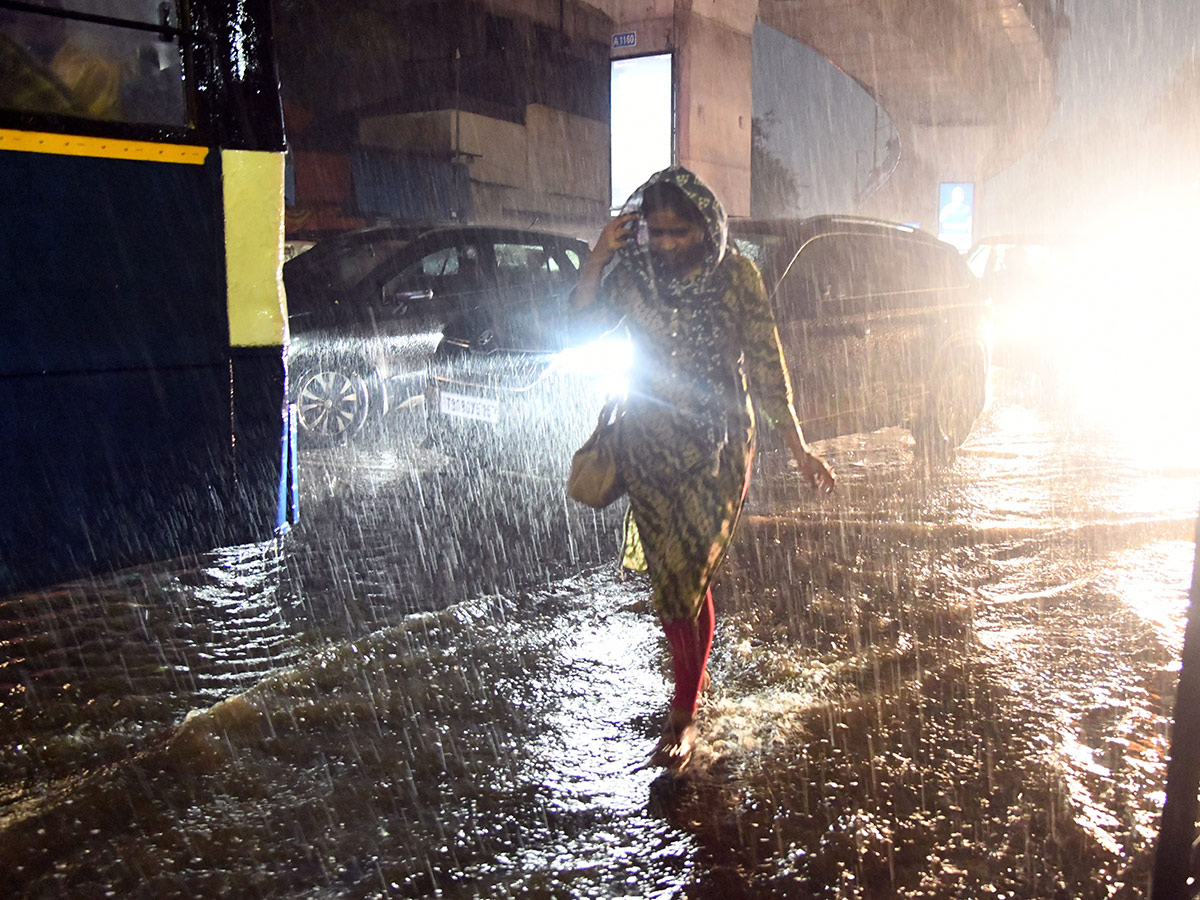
pixel 606 361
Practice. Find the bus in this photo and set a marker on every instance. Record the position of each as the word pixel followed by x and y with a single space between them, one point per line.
pixel 143 327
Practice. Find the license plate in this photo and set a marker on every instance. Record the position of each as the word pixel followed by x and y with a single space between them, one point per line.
pixel 462 406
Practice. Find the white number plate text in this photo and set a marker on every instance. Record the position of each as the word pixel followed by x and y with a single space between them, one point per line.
pixel 462 406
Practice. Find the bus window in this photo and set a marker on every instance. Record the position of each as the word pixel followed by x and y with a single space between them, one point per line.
pixel 126 69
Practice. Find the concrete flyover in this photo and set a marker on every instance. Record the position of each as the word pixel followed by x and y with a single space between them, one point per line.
pixel 968 84
pixel 497 110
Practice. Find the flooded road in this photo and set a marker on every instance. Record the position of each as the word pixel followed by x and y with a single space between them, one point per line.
pixel 950 683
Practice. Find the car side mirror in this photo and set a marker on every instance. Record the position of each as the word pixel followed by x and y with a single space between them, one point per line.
pixel 830 301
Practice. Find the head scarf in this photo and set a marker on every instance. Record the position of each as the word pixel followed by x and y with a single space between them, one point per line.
pixel 671 288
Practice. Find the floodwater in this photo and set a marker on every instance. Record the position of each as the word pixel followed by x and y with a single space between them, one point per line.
pixel 954 683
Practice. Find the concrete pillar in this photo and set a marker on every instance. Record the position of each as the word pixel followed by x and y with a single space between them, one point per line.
pixel 713 45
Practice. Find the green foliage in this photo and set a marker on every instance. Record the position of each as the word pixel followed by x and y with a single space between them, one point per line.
pixel 774 190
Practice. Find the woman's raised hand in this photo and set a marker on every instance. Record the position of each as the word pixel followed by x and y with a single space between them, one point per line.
pixel 817 473
pixel 814 469
pixel 615 235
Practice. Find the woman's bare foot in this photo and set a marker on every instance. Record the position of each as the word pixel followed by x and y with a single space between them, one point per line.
pixel 674 749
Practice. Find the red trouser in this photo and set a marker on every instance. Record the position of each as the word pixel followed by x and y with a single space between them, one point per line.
pixel 690 641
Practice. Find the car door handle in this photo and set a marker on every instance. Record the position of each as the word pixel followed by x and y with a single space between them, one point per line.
pixel 409 296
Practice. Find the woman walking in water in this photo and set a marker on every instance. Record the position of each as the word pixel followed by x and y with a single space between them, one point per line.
pixel 705 342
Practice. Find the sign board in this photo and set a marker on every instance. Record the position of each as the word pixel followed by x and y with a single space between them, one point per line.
pixel 956 213
pixel 625 40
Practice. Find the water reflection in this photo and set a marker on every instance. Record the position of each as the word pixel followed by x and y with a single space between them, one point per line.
pixel 941 684
pixel 93 669
pixel 1083 622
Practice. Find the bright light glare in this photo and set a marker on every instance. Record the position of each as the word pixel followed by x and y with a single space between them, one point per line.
pixel 641 121
pixel 1130 341
pixel 606 361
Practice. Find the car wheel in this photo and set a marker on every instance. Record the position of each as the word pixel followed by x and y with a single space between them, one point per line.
pixel 331 405
pixel 954 401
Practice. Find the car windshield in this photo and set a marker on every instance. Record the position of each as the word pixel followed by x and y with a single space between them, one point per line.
pixel 343 266
pixel 758 247
pixel 1025 258
pixel 977 260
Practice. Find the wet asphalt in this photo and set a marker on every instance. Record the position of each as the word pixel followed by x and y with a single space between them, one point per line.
pixel 953 681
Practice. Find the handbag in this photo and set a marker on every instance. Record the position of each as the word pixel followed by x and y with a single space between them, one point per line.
pixel 595 479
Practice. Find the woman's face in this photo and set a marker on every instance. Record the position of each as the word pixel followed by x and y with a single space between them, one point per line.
pixel 676 243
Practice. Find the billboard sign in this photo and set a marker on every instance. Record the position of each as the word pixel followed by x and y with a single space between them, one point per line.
pixel 956 213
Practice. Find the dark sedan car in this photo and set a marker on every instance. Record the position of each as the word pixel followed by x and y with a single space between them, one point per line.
pixel 524 409
pixel 368 310
pixel 881 325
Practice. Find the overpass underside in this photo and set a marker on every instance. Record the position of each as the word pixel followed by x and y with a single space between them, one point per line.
pixel 968 84
pixel 497 110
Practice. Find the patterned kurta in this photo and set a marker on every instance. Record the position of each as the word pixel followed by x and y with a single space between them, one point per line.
pixel 702 349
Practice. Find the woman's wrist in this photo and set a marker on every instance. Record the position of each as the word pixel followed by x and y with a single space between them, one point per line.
pixel 798 445
pixel 597 260
pixel 588 284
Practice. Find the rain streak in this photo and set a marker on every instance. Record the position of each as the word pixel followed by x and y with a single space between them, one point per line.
pixel 383 654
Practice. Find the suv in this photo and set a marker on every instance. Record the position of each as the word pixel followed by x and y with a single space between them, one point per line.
pixel 368 309
pixel 881 325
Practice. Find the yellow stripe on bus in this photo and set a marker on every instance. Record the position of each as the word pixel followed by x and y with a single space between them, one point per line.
pixel 107 148
pixel 252 182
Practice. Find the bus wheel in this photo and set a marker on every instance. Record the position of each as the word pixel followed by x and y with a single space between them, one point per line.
pixel 955 400
pixel 331 405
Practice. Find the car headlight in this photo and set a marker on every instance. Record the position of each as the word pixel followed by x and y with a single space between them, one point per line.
pixel 606 362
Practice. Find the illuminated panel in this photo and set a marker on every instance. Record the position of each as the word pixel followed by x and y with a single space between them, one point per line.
pixel 252 182
pixel 104 148
pixel 642 121
pixel 956 212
